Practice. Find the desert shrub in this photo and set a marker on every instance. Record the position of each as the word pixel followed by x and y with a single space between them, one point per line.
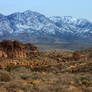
pixel 88 89
pixel 19 84
pixel 76 56
pixel 4 76
pixel 18 90
pixel 0 67
pixel 25 77
pixel 90 55
pixel 36 75
pixel 9 68
pixel 2 89
pixel 85 81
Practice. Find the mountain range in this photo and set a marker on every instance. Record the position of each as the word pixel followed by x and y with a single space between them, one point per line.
pixel 30 26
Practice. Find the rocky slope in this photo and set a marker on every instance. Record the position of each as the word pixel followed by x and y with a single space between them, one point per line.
pixel 15 49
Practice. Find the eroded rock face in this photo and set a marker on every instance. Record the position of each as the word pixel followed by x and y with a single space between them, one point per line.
pixel 31 50
pixel 15 49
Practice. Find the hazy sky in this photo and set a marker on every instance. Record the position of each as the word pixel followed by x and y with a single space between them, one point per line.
pixel 75 8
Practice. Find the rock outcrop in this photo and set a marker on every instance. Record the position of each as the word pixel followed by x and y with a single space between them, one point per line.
pixel 31 50
pixel 15 49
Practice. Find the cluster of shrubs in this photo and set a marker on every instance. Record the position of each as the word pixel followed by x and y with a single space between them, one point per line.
pixel 4 76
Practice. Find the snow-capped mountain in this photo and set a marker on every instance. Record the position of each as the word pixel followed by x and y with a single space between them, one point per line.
pixel 29 21
pixel 35 27
pixel 73 25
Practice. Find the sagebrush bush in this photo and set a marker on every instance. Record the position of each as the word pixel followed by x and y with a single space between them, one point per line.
pixel 2 89
pixel 4 76
pixel 76 56
pixel 9 68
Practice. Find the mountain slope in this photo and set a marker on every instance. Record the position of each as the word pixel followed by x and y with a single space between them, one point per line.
pixel 34 27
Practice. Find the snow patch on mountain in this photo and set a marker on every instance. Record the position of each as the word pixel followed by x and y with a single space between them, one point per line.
pixel 34 23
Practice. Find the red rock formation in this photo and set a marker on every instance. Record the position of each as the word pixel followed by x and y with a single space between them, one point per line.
pixel 31 50
pixel 1 53
pixel 15 49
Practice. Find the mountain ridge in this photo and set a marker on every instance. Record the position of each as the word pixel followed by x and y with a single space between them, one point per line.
pixel 30 26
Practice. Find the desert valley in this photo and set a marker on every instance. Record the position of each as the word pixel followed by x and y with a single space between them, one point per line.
pixel 43 52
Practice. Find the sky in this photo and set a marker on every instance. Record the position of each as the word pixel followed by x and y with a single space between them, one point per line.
pixel 75 8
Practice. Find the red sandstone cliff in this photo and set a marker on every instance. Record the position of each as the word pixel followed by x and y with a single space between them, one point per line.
pixel 15 49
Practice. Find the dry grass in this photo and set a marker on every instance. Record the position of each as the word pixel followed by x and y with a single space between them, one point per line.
pixel 50 76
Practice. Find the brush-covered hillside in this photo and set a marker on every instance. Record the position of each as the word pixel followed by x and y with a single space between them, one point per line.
pixel 49 71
